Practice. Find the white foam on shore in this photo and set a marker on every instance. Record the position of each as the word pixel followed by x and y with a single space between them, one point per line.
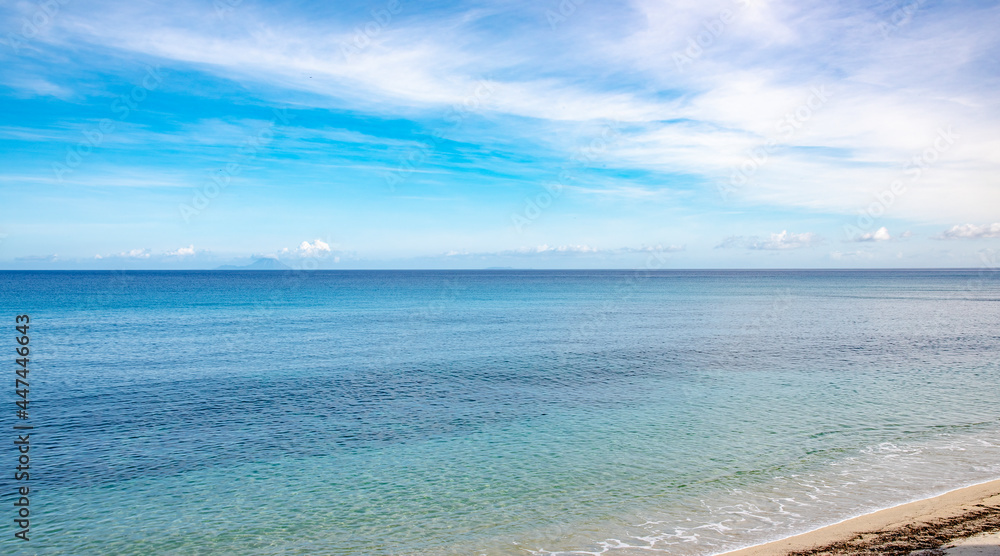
pixel 873 479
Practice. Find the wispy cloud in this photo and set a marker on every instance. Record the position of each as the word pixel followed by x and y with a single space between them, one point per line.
pixel 838 255
pixel 130 254
pixel 817 107
pixel 972 231
pixel 775 242
pixel 543 249
pixel 658 248
pixel 568 250
pixel 38 258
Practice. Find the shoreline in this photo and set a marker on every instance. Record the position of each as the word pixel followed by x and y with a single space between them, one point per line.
pixel 925 524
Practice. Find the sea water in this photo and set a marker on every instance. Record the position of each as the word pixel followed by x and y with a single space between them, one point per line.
pixel 491 412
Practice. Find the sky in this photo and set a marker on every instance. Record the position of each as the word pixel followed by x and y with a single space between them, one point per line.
pixel 500 133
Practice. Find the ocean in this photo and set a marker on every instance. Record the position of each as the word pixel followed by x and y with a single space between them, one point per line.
pixel 491 412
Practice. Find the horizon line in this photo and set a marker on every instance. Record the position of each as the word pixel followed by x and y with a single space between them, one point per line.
pixel 490 269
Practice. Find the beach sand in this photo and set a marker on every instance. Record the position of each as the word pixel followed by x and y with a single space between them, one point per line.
pixel 963 522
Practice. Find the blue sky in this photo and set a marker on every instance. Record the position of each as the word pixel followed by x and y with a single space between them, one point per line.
pixel 401 134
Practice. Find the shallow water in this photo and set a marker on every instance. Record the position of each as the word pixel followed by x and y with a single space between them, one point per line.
pixel 507 412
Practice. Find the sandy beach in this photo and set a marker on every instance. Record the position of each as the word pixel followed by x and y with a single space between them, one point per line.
pixel 963 522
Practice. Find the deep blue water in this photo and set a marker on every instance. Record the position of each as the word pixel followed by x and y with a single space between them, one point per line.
pixel 492 412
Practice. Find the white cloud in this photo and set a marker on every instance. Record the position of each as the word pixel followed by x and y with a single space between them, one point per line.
pixel 132 254
pixel 35 258
pixel 847 149
pixel 850 255
pixel 546 249
pixel 559 249
pixel 888 98
pixel 35 86
pixel 658 248
pixel 776 242
pixel 315 249
pixel 409 66
pixel 971 231
pixel 181 252
pixel 881 234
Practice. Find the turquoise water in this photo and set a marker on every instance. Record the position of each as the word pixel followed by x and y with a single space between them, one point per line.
pixel 494 413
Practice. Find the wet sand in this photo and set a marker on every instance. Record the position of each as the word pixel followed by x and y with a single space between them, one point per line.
pixel 928 527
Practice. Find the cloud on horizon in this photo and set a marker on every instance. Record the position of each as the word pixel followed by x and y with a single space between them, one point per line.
pixel 972 231
pixel 131 254
pixel 567 250
pixel 776 242
pixel 881 234
pixel 181 252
